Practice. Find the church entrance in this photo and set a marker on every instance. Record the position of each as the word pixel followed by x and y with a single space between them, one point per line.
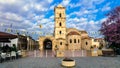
pixel 47 44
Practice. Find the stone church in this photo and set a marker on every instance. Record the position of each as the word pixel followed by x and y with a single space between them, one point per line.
pixel 64 38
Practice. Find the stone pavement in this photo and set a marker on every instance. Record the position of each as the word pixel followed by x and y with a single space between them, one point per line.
pixel 52 62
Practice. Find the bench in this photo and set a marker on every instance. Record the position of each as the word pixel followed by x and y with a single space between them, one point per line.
pixel 108 52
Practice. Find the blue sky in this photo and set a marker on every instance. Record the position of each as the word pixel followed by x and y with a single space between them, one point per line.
pixel 25 16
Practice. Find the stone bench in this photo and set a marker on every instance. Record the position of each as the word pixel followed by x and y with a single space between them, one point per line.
pixel 108 52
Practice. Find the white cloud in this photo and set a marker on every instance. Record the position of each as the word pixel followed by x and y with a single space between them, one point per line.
pixel 52 6
pixel 77 19
pixel 74 5
pixel 85 13
pixel 91 3
pixel 73 20
pixel 106 7
pixel 78 23
pixel 7 1
pixel 28 16
pixel 50 1
pixel 84 24
pixel 102 20
pixel 65 2
pixel 83 19
pixel 91 22
pixel 26 7
pixel 38 17
pixel 31 13
pixel 11 16
pixel 35 27
pixel 86 3
pixel 43 21
pixel 36 6
pixel 52 17
pixel 40 7
pixel 27 22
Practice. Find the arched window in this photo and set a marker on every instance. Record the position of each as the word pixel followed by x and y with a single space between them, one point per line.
pixel 60 43
pixel 78 41
pixel 60 24
pixel 74 40
pixel 60 15
pixel 86 43
pixel 60 32
pixel 70 40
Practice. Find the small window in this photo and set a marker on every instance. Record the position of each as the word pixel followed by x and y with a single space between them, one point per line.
pixel 78 41
pixel 60 43
pixel 86 43
pixel 60 15
pixel 60 32
pixel 74 40
pixel 95 40
pixel 60 24
pixel 70 40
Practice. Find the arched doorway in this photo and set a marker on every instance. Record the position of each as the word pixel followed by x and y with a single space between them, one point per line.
pixel 47 44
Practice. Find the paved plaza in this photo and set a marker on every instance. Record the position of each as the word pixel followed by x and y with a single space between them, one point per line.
pixel 52 62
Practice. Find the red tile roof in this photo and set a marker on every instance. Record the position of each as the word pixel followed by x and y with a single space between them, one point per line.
pixel 73 33
pixel 7 35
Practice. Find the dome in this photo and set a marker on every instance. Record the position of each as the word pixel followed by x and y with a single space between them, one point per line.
pixel 73 33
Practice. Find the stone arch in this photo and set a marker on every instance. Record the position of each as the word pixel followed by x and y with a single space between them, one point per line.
pixel 47 44
pixel 50 39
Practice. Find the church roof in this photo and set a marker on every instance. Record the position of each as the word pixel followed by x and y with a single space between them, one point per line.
pixel 77 29
pixel 86 37
pixel 83 31
pixel 60 38
pixel 73 33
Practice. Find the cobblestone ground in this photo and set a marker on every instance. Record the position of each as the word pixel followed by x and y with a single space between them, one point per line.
pixel 52 62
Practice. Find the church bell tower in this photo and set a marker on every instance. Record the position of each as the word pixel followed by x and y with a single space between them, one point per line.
pixel 60 27
pixel 60 22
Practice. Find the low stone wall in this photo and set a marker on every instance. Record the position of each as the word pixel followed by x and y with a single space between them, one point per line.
pixel 59 54
pixel 89 53
pixel 24 53
pixel 100 53
pixel 78 53
pixel 94 53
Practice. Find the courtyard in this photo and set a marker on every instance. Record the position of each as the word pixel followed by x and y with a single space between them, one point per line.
pixel 45 33
pixel 52 62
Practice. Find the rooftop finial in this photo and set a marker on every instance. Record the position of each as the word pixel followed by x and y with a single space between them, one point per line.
pixel 59 5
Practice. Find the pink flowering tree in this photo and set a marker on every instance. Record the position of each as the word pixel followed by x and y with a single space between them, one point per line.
pixel 111 28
